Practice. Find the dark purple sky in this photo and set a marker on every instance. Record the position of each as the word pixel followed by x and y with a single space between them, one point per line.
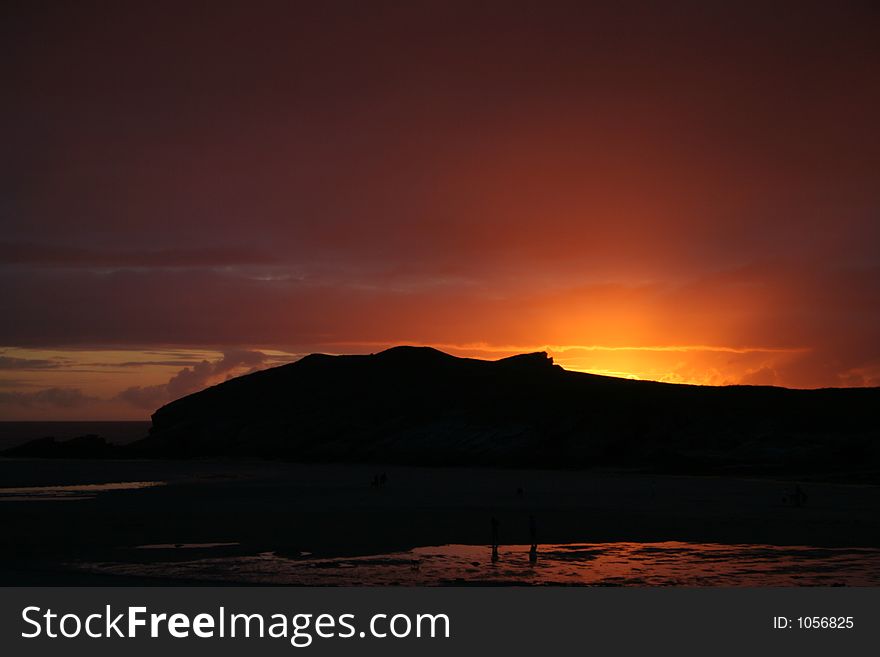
pixel 687 193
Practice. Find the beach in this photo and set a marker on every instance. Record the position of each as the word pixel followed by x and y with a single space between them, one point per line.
pixel 59 521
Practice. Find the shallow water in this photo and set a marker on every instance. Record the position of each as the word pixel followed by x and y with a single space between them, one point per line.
pixel 183 546
pixel 72 492
pixel 585 564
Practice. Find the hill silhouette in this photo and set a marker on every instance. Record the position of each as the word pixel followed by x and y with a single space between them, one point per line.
pixel 417 405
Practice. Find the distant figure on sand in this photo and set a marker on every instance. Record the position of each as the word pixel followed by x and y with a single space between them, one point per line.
pixel 796 498
pixel 495 525
pixel 533 535
pixel 799 497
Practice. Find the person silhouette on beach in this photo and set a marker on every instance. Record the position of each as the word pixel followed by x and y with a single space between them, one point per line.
pixel 495 525
pixel 799 497
pixel 533 535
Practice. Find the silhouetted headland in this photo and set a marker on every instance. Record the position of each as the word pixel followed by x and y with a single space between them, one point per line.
pixel 420 406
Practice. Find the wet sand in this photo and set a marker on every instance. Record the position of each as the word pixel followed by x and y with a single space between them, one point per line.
pixel 333 510
pixel 670 563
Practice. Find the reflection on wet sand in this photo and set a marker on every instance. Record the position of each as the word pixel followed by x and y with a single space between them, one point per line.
pixel 72 492
pixel 584 564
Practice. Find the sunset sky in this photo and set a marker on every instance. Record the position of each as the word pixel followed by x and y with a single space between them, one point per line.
pixel 191 190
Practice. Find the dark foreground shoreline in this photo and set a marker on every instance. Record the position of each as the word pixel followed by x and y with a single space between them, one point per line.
pixel 329 510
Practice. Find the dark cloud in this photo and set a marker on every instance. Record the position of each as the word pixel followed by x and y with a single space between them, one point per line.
pixel 146 363
pixel 42 255
pixel 64 398
pixel 12 363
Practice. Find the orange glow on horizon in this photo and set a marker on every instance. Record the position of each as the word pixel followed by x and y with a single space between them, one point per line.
pixel 129 384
